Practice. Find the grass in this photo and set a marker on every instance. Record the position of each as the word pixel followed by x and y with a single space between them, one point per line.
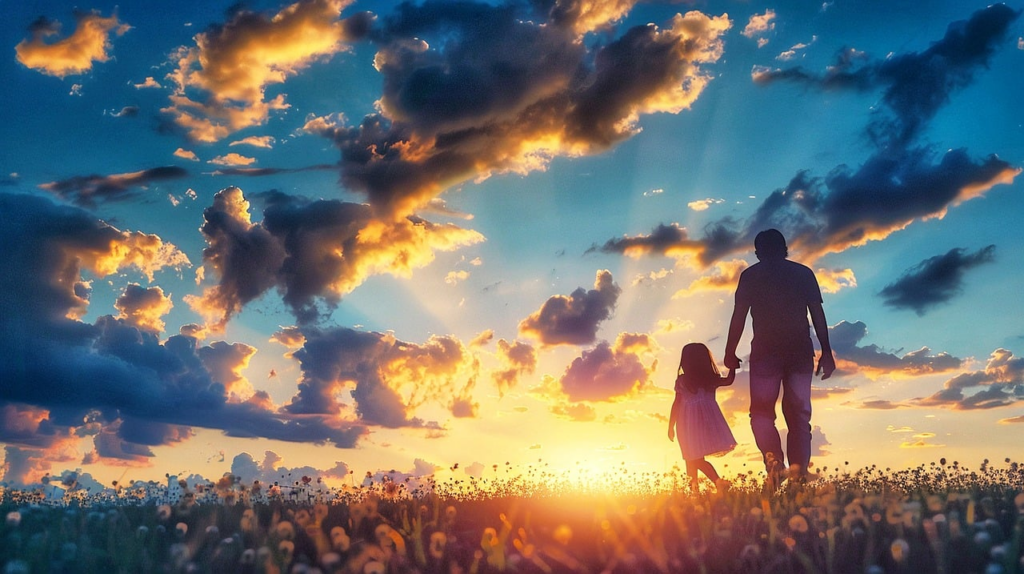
pixel 933 518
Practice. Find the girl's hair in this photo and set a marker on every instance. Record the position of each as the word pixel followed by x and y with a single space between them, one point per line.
pixel 697 367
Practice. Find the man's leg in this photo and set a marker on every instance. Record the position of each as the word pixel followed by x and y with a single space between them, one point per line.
pixel 765 381
pixel 796 408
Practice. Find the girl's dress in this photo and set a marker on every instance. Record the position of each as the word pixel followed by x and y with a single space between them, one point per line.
pixel 700 425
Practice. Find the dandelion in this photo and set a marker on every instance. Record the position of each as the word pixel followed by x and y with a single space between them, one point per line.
pixel 180 529
pixel 899 550
pixel 339 539
pixel 285 530
pixel 798 523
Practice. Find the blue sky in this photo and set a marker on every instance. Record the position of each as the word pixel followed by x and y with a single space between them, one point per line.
pixel 368 235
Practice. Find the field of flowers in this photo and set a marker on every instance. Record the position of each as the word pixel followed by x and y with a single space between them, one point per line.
pixel 937 518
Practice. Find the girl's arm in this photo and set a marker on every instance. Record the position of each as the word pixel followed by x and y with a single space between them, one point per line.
pixel 672 419
pixel 728 379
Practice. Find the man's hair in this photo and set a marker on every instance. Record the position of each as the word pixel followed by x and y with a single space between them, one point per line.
pixel 770 244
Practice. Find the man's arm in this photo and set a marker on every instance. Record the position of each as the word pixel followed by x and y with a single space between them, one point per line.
pixel 736 325
pixel 827 363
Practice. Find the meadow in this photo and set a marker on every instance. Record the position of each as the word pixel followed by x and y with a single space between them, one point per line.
pixel 942 517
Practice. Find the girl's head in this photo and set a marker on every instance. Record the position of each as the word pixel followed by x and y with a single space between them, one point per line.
pixel 697 364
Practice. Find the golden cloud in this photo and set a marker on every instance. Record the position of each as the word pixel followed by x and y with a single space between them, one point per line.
pixel 75 54
pixel 233 64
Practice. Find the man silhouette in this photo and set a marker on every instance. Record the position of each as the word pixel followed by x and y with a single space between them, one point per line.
pixel 779 294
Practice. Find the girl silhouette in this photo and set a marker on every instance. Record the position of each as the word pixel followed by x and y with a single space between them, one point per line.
pixel 696 417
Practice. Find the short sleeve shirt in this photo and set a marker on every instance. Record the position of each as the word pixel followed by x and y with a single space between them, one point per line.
pixel 778 293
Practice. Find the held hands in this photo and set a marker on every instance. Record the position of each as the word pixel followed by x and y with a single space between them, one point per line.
pixel 732 362
pixel 826 365
pixel 671 434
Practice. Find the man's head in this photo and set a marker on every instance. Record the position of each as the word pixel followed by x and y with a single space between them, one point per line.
pixel 770 244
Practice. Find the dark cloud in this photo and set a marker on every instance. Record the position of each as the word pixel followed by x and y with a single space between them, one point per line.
pixel 1001 384
pixel 471 89
pixel 935 280
pixel 310 250
pixel 915 84
pixel 902 182
pixel 59 371
pixel 387 379
pixel 574 320
pixel 126 112
pixel 609 371
pixel 873 360
pixel 90 190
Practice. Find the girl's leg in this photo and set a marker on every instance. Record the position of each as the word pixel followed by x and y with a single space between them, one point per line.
pixel 692 468
pixel 709 470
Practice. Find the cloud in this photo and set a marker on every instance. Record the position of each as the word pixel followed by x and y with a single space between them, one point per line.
pixel 759 24
pixel 225 363
pixel 221 82
pixel 873 361
pixel 935 280
pixel 704 204
pixel 388 379
pixel 255 141
pixel 185 154
pixel 1001 384
pixel 149 82
pixel 609 372
pixel 265 171
pixel 75 54
pixel 111 372
pixel 144 307
pixel 514 92
pixel 724 277
pixel 89 190
pixel 832 280
pixel 232 159
pixel 674 325
pixel 482 338
pixel 573 320
pixel 651 278
pixel 455 277
pixel 1012 420
pixel 791 53
pixel 900 183
pixel 126 112
pixel 578 412
pixel 916 84
pixel 270 470
pixel 517 360
pixel 309 250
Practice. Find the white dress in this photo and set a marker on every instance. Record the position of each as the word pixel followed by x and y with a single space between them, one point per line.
pixel 701 428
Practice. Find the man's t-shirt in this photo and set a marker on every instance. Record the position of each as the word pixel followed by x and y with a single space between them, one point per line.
pixel 778 293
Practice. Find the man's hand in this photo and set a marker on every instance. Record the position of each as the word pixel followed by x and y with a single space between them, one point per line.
pixel 732 361
pixel 826 366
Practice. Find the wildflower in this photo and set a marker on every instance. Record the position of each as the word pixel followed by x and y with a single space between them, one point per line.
pixel 248 557
pixel 562 534
pixel 287 550
pixel 339 539
pixel 13 518
pixel 248 521
pixel 285 530
pixel 180 529
pixel 331 561
pixel 900 550
pixel 374 567
pixel 438 540
pixel 163 512
pixel 798 523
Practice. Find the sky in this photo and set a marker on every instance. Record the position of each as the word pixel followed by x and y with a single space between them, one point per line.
pixel 341 237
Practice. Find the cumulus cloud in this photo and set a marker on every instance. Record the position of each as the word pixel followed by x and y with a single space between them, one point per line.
pixel 265 171
pixel 75 54
pixel 759 24
pixel 255 141
pixel 704 204
pixel 232 159
pixel 832 280
pixel 90 190
pixel 902 182
pixel 610 372
pixel 935 280
pixel 186 154
pixel 517 360
pixel 221 82
pixel 999 384
pixel 139 390
pixel 724 277
pixel 225 363
pixel 573 319
pixel 387 379
pixel 149 82
pixel 144 307
pixel 309 250
pixel 578 412
pixel 511 93
pixel 873 361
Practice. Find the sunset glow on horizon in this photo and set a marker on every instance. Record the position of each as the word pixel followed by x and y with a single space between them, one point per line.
pixel 337 237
